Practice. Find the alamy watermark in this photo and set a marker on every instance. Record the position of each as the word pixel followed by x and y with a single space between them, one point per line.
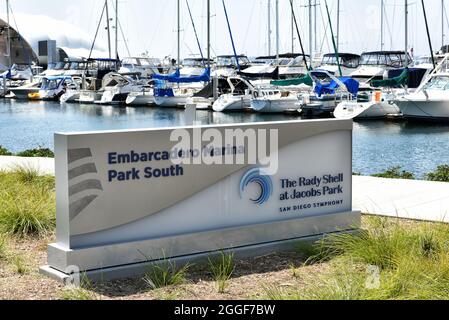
pixel 236 146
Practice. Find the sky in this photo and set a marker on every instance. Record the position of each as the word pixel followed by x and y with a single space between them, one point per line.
pixel 150 25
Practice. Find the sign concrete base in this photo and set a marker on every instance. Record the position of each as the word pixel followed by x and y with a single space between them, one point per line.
pixel 243 242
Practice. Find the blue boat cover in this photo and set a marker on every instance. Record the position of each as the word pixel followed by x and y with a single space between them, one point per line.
pixel 176 77
pixel 351 85
pixel 163 92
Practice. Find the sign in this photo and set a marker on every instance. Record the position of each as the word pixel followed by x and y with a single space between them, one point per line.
pixel 127 198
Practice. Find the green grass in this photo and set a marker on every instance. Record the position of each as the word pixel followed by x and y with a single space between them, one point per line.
pixel 84 292
pixel 165 274
pixel 222 269
pixel 412 260
pixel 3 248
pixel 395 173
pixel 20 266
pixel 27 203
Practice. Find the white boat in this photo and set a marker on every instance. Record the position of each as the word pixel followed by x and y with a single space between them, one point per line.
pixel 227 65
pixel 431 100
pixel 72 92
pixel 272 100
pixel 378 106
pixel 144 66
pixel 239 99
pixel 52 88
pixel 328 92
pixel 174 98
pixel 348 63
pixel 22 92
pixel 116 88
pixel 141 98
pixel 375 65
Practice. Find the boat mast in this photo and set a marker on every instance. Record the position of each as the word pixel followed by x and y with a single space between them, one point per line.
pixel 277 32
pixel 109 29
pixel 179 34
pixel 382 41
pixel 406 34
pixel 310 30
pixel 116 29
pixel 315 27
pixel 269 27
pixel 293 33
pixel 442 23
pixel 9 35
pixel 428 33
pixel 338 25
pixel 208 34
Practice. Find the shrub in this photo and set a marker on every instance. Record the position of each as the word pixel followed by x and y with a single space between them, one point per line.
pixel 440 175
pixel 395 173
pixel 222 270
pixel 165 274
pixel 37 153
pixel 81 293
pixel 4 152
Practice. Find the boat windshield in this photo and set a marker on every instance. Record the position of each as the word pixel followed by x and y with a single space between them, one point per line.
pixel 395 60
pixel 60 66
pixel 192 63
pixel 51 84
pixel 146 62
pixel 231 61
pixel 299 62
pixel 438 83
pixel 345 61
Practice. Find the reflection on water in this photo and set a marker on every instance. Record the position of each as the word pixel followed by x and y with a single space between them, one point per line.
pixel 378 145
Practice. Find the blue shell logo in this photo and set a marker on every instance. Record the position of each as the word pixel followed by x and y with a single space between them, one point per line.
pixel 265 183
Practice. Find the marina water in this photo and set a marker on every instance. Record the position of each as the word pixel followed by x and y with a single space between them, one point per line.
pixel 378 145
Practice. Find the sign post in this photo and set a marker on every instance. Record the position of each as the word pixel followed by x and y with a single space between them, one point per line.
pixel 127 199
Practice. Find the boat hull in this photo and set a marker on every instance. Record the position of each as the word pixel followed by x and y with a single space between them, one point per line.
pixel 365 110
pixel 275 105
pixel 171 102
pixel 234 103
pixel 140 100
pixel 432 110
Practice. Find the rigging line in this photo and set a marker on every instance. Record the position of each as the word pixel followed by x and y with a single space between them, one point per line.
pixel 299 35
pixel 121 31
pixel 249 24
pixel 20 37
pixel 387 21
pixel 230 34
pixel 196 34
pixel 96 33
pixel 326 29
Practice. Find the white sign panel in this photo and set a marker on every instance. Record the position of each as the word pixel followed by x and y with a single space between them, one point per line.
pixel 123 197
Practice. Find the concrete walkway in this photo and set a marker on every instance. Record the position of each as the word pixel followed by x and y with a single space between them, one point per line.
pixel 419 200
pixel 44 165
pixel 410 199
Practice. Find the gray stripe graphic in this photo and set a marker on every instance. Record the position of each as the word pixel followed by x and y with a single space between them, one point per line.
pixel 82 170
pixel 78 154
pixel 85 185
pixel 78 206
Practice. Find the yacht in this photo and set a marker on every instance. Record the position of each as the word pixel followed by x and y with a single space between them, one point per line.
pixel 431 100
pixel 72 92
pixel 376 104
pixel 238 99
pixel 348 63
pixel 116 88
pixel 228 65
pixel 173 91
pixel 144 66
pixel 274 100
pixel 96 70
pixel 52 88
pixel 375 65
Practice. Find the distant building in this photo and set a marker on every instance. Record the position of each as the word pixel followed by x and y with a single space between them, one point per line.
pixel 21 51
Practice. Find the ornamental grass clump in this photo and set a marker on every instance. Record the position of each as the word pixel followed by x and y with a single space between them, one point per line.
pixel 389 259
pixel 27 203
